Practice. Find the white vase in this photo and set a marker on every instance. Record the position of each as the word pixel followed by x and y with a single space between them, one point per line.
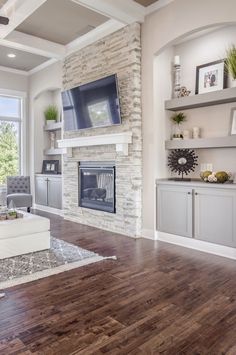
pixel 176 132
pixel 51 122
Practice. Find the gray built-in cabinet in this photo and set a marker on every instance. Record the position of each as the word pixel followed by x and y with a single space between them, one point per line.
pixel 202 211
pixel 48 190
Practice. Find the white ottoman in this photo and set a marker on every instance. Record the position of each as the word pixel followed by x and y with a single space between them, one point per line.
pixel 24 235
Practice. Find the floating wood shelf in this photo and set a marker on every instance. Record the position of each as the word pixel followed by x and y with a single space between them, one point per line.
pixel 202 100
pixel 53 126
pixel 201 143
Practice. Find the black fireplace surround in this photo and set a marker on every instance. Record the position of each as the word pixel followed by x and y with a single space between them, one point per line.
pixel 97 186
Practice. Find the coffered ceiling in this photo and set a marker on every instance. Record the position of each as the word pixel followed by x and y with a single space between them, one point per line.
pixel 41 32
pixel 146 2
pixel 69 21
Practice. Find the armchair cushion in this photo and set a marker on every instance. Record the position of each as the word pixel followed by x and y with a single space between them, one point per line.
pixel 20 199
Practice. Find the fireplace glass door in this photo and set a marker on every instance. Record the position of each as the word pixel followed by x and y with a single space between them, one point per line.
pixel 97 187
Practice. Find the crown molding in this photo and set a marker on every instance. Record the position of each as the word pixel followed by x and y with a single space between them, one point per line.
pixel 157 6
pixel 14 71
pixel 42 66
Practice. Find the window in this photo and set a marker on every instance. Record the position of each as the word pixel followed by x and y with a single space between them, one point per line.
pixel 10 136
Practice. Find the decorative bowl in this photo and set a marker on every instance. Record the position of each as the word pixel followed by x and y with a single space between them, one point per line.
pixel 219 177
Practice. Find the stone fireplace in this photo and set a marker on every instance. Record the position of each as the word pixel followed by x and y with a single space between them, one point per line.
pixel 116 150
pixel 97 186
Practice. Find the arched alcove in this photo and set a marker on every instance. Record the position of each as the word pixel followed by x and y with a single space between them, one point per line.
pixel 50 96
pixel 157 87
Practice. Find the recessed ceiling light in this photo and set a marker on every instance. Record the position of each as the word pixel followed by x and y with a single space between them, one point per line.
pixel 11 55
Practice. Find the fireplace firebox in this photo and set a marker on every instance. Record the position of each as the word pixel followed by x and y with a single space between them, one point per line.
pixel 97 186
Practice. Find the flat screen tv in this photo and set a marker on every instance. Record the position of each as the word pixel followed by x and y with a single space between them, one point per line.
pixel 95 104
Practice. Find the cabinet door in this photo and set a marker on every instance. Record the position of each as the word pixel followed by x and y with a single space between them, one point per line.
pixel 215 219
pixel 55 192
pixel 174 210
pixel 41 190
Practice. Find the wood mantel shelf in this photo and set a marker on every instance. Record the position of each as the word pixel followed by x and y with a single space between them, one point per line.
pixel 120 140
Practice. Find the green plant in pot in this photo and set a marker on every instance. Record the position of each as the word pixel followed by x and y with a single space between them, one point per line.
pixel 51 114
pixel 231 63
pixel 178 119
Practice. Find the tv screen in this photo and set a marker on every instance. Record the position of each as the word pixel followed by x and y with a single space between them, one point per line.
pixel 95 104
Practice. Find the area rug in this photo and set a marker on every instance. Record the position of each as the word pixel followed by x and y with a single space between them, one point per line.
pixel 62 256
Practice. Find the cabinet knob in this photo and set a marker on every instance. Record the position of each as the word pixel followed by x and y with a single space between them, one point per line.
pixel 189 193
pixel 196 193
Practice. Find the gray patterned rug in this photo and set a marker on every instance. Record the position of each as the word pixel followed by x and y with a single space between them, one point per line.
pixel 61 257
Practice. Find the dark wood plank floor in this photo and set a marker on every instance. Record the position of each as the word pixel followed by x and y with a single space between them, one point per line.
pixel 155 299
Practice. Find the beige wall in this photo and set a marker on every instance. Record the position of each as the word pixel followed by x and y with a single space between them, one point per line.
pixel 50 77
pixel 160 30
pixel 12 81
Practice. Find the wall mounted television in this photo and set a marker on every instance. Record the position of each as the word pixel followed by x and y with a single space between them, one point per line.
pixel 91 105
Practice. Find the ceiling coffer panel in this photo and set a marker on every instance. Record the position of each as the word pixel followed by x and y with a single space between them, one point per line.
pixel 68 22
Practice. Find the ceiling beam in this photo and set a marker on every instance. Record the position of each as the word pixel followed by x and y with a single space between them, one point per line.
pixel 18 11
pixel 94 35
pixel 35 45
pixel 42 66
pixel 14 71
pixel 125 11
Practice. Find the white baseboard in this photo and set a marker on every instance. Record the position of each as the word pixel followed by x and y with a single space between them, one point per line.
pixel 195 244
pixel 49 210
pixel 148 234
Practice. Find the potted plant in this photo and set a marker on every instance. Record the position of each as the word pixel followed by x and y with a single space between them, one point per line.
pixel 231 63
pixel 51 114
pixel 178 119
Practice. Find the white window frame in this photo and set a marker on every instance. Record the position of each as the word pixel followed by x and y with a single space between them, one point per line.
pixel 22 143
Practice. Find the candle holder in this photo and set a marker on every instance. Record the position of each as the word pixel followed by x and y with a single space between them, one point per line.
pixel 177 85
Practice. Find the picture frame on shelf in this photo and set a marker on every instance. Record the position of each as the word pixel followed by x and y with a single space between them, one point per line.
pixel 211 77
pixel 233 122
pixel 50 167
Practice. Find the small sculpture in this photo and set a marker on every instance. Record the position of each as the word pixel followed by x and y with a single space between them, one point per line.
pixel 182 161
pixel 177 70
pixel 183 92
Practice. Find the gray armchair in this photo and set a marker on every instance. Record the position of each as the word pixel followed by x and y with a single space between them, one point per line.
pixel 18 191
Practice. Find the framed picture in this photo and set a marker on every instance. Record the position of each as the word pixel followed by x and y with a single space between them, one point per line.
pixel 233 121
pixel 211 77
pixel 50 166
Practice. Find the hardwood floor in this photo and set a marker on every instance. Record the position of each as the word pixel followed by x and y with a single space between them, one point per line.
pixel 155 299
